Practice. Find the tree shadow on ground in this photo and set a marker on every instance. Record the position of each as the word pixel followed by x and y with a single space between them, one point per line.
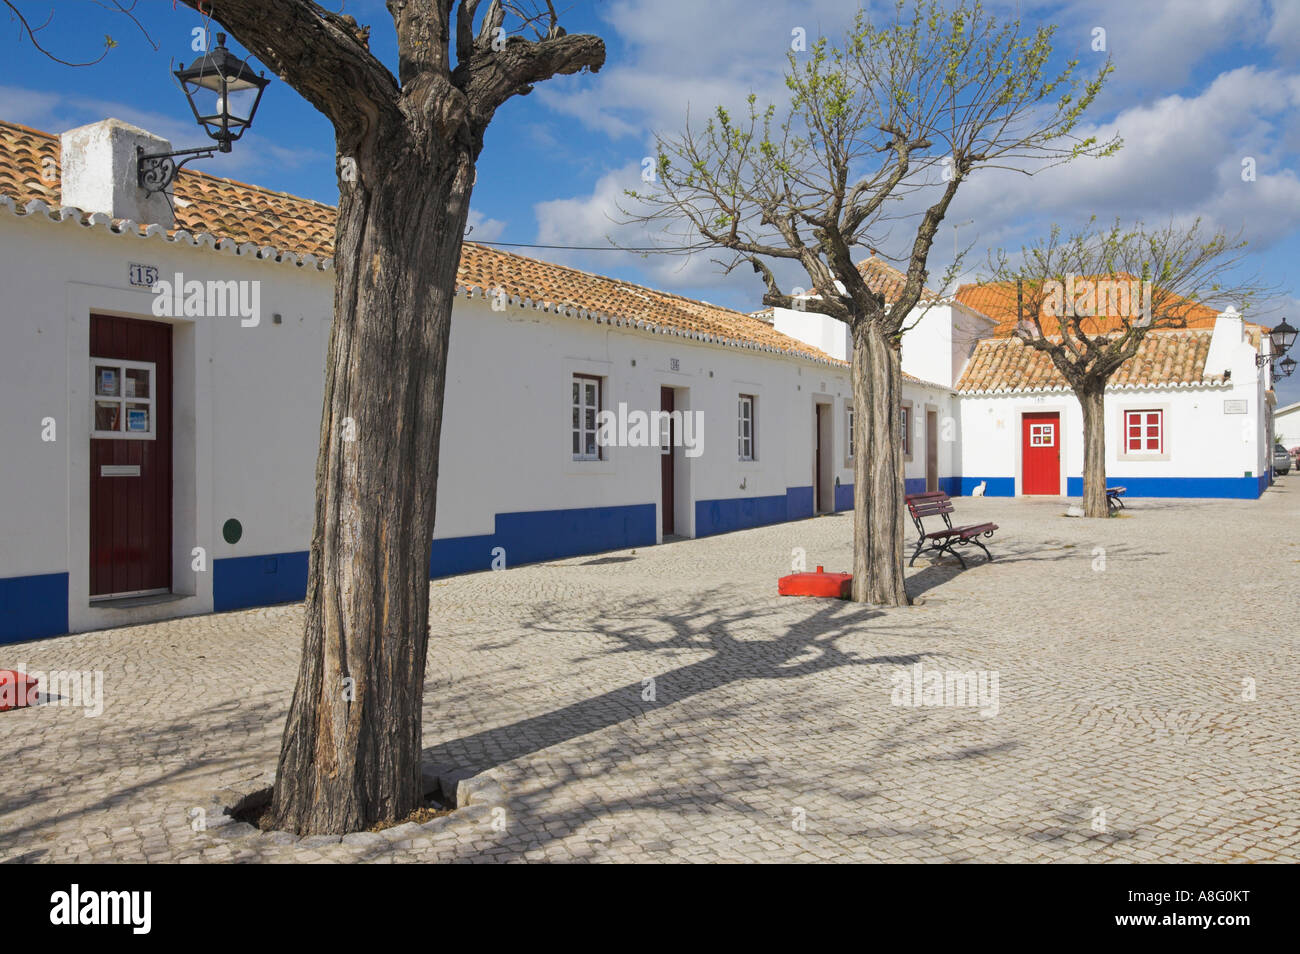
pixel 164 771
pixel 754 800
pixel 736 646
pixel 947 569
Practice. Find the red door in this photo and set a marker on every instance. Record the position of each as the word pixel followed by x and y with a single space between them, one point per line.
pixel 668 495
pixel 1041 454
pixel 130 456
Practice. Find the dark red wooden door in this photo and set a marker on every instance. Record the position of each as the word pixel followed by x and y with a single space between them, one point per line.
pixel 666 464
pixel 130 456
pixel 1040 453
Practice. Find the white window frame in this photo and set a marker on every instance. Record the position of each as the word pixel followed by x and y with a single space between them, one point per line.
pixel 848 430
pixel 1042 434
pixel 122 400
pixel 582 379
pixel 746 428
pixel 1145 452
pixel 906 424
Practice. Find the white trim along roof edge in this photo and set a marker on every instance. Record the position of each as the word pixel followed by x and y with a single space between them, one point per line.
pixel 38 209
pixel 1163 386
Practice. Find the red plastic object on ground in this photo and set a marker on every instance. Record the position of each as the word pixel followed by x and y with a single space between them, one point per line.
pixel 17 690
pixel 820 583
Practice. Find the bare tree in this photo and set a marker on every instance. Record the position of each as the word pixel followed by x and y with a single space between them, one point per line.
pixel 915 105
pixel 1090 298
pixel 33 31
pixel 407 147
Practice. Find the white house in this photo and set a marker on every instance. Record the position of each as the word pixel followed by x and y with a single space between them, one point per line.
pixel 1184 418
pixel 163 386
pixel 1286 425
pixel 162 376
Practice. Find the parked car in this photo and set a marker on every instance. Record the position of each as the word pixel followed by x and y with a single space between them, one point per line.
pixel 1281 460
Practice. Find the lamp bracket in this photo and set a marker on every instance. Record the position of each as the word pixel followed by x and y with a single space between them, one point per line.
pixel 155 171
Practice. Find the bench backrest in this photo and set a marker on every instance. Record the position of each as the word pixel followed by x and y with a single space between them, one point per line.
pixel 932 503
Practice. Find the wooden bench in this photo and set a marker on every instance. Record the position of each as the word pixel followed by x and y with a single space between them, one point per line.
pixel 1113 495
pixel 936 503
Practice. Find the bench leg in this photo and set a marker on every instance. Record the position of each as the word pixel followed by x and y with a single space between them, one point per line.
pixel 948 548
pixel 917 552
pixel 984 548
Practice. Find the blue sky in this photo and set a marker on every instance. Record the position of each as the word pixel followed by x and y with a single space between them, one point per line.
pixel 1199 86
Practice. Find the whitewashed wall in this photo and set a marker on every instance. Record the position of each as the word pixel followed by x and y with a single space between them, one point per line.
pixel 1286 423
pixel 1201 440
pixel 247 406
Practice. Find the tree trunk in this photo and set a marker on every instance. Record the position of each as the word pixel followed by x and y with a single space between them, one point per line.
pixel 1092 399
pixel 351 750
pixel 878 523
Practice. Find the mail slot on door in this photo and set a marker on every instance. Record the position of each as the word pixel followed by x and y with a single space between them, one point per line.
pixel 119 470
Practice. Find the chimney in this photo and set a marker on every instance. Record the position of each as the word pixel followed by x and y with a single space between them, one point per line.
pixel 1228 343
pixel 99 172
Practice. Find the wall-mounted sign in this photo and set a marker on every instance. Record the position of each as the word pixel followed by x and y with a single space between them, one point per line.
pixel 143 276
pixel 674 364
pixel 1234 406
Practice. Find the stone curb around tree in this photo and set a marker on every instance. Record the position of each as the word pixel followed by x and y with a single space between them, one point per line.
pixel 473 797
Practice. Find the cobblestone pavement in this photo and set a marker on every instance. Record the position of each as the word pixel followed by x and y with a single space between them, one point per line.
pixel 1125 726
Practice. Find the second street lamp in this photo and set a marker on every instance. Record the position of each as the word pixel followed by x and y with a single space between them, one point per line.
pixel 223 92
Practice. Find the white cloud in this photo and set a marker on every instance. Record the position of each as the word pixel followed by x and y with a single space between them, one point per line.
pixel 678 57
pixel 56 113
pixel 1284 31
pixel 483 229
pixel 1182 159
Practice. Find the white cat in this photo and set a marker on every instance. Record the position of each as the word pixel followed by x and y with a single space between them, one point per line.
pixel 978 489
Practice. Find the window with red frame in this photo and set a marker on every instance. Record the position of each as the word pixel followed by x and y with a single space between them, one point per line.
pixel 1144 432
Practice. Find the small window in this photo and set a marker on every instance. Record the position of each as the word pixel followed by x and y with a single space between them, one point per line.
pixel 849 423
pixel 745 426
pixel 1144 432
pixel 1042 435
pixel 123 399
pixel 586 392
pixel 907 430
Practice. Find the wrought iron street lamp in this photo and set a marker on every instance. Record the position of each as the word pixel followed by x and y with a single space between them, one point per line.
pixel 224 92
pixel 1282 338
pixel 1288 366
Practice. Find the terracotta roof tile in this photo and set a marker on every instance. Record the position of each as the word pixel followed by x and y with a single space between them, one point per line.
pixel 246 213
pixel 884 279
pixel 1164 359
pixel 997 300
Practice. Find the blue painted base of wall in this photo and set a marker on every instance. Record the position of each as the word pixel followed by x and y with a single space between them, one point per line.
pixel 997 486
pixel 32 607
pixel 799 503
pixel 742 512
pixel 526 537
pixel 240 582
pixel 536 535
pixel 1233 488
pixel 912 485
